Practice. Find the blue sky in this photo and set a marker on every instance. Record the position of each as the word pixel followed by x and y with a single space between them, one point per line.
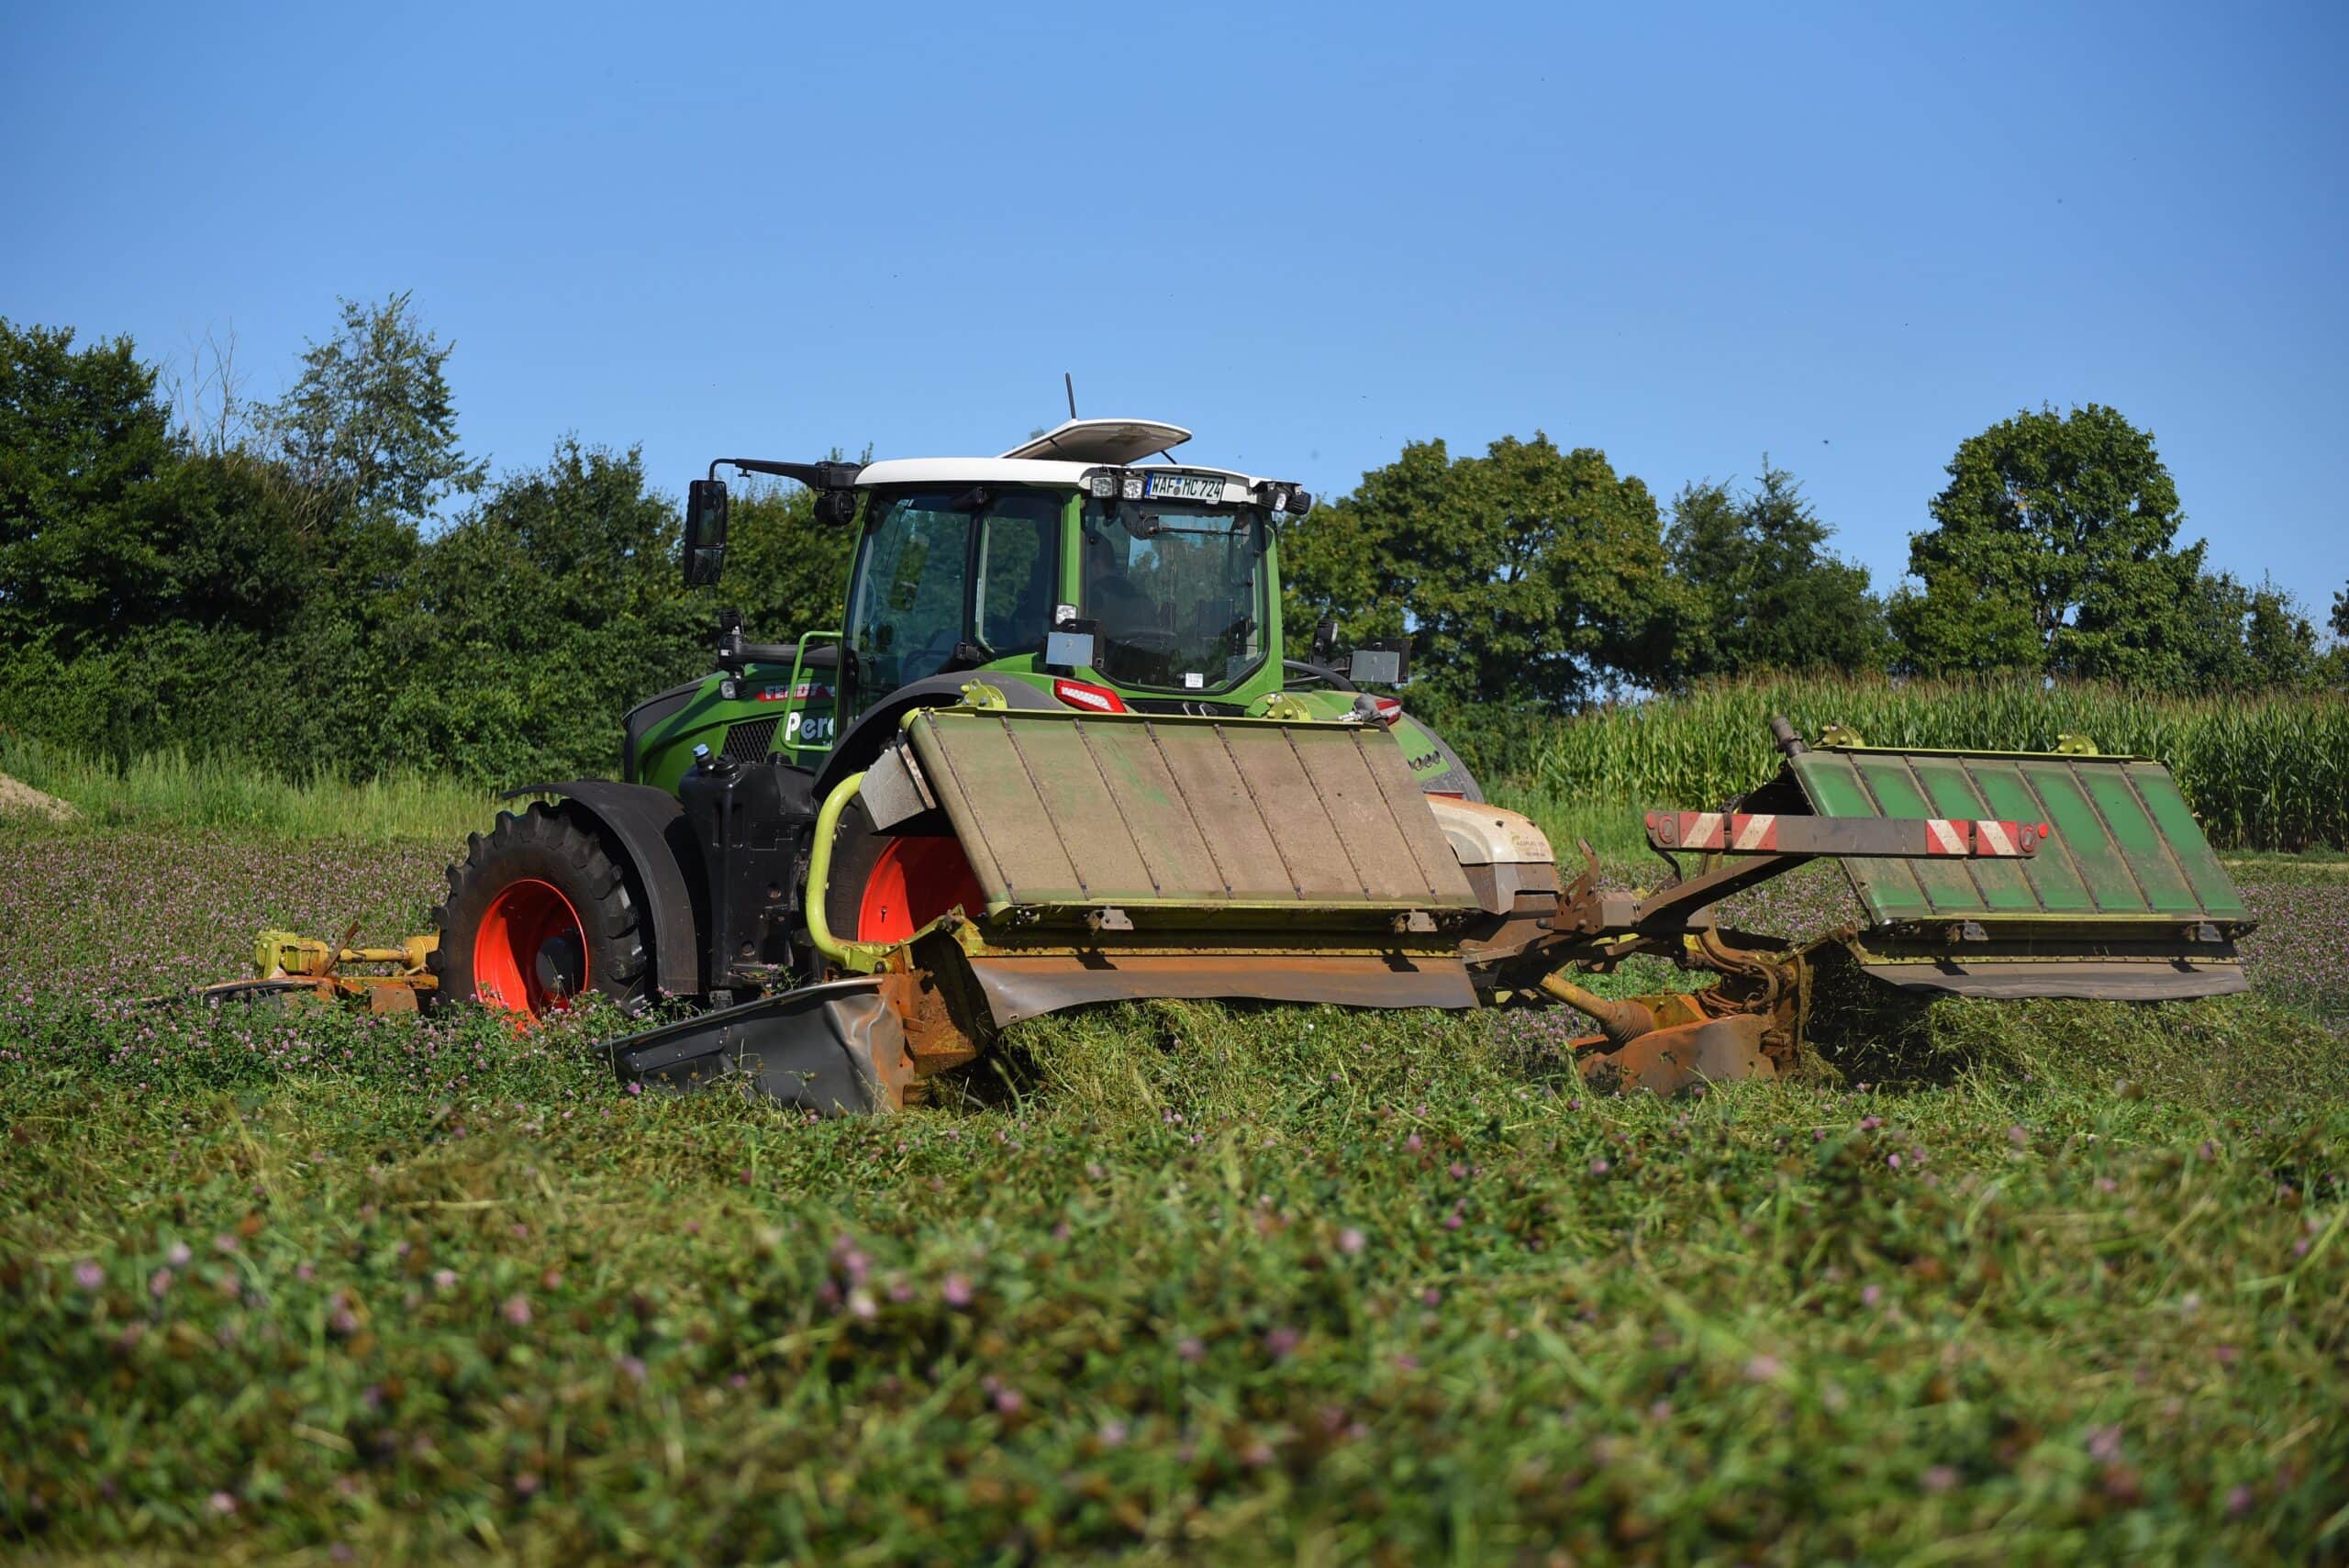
pixel 1846 237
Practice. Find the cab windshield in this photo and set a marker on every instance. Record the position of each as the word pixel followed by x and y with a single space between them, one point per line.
pixel 1177 591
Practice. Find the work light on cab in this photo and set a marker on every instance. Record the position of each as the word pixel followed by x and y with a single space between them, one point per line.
pixel 1090 697
pixel 1279 499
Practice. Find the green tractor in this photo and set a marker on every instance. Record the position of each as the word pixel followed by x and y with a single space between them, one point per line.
pixel 1053 756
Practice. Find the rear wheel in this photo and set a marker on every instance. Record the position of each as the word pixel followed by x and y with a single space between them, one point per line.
pixel 538 914
pixel 884 887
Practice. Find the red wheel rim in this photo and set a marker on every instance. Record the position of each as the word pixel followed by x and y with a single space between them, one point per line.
pixel 917 879
pixel 530 950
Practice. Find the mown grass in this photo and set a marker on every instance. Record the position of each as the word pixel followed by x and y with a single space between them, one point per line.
pixel 2063 1281
pixel 1218 1286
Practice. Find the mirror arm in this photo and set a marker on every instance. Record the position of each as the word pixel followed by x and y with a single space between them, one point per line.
pixel 814 475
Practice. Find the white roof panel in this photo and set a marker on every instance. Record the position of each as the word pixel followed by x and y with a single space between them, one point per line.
pixel 971 470
pixel 1011 471
pixel 1103 440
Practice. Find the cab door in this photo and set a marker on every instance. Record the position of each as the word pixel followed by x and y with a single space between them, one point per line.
pixel 909 605
pixel 949 579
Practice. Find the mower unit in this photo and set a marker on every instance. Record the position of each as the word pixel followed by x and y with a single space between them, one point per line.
pixel 295 968
pixel 1056 758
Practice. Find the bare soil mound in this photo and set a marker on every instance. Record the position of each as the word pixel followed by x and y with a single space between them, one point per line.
pixel 20 797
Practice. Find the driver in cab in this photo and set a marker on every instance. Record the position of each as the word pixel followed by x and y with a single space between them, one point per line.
pixel 1124 611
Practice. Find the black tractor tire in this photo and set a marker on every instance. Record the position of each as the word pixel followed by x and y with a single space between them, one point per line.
pixel 558 899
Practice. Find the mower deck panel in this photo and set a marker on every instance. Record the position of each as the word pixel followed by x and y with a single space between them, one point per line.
pixel 2123 844
pixel 1149 813
pixel 833 1049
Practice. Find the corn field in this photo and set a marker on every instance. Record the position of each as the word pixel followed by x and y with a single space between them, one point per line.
pixel 2264 771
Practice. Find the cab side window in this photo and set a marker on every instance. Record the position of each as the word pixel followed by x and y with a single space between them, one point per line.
pixel 1018 571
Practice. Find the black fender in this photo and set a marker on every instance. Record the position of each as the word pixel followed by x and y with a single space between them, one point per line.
pixel 649 829
pixel 862 741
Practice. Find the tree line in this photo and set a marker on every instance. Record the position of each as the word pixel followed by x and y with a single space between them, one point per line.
pixel 1533 577
pixel 327 583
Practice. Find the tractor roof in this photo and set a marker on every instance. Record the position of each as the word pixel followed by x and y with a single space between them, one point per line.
pixel 1061 456
pixel 1103 440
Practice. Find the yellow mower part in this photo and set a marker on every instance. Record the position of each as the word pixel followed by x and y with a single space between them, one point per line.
pixel 288 962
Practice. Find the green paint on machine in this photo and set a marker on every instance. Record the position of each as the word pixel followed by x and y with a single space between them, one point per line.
pixel 2121 841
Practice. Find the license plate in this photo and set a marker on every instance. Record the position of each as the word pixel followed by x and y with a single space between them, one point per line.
pixel 1183 487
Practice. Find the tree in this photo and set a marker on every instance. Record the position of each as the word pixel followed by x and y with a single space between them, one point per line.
pixel 1528 576
pixel 84 445
pixel 2340 613
pixel 364 446
pixel 370 427
pixel 1768 595
pixel 109 523
pixel 2251 638
pixel 2051 550
pixel 2279 638
pixel 528 625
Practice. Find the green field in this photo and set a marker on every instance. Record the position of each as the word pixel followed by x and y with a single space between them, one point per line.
pixel 2029 1282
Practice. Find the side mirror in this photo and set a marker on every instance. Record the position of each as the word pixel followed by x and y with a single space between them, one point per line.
pixel 705 553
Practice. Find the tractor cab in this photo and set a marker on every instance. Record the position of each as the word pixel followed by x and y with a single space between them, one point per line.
pixel 1084 569
pixel 1142 583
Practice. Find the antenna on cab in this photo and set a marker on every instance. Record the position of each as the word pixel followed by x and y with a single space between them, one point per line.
pixel 1069 383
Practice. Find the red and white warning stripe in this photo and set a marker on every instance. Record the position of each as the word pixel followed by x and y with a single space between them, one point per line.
pixel 1943 837
pixel 1897 837
pixel 1751 832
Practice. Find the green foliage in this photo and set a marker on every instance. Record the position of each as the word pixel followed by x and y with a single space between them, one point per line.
pixel 1768 594
pixel 2255 638
pixel 298 601
pixel 784 571
pixel 283 603
pixel 2051 550
pixel 2264 773
pixel 1528 577
pixel 106 523
pixel 528 625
